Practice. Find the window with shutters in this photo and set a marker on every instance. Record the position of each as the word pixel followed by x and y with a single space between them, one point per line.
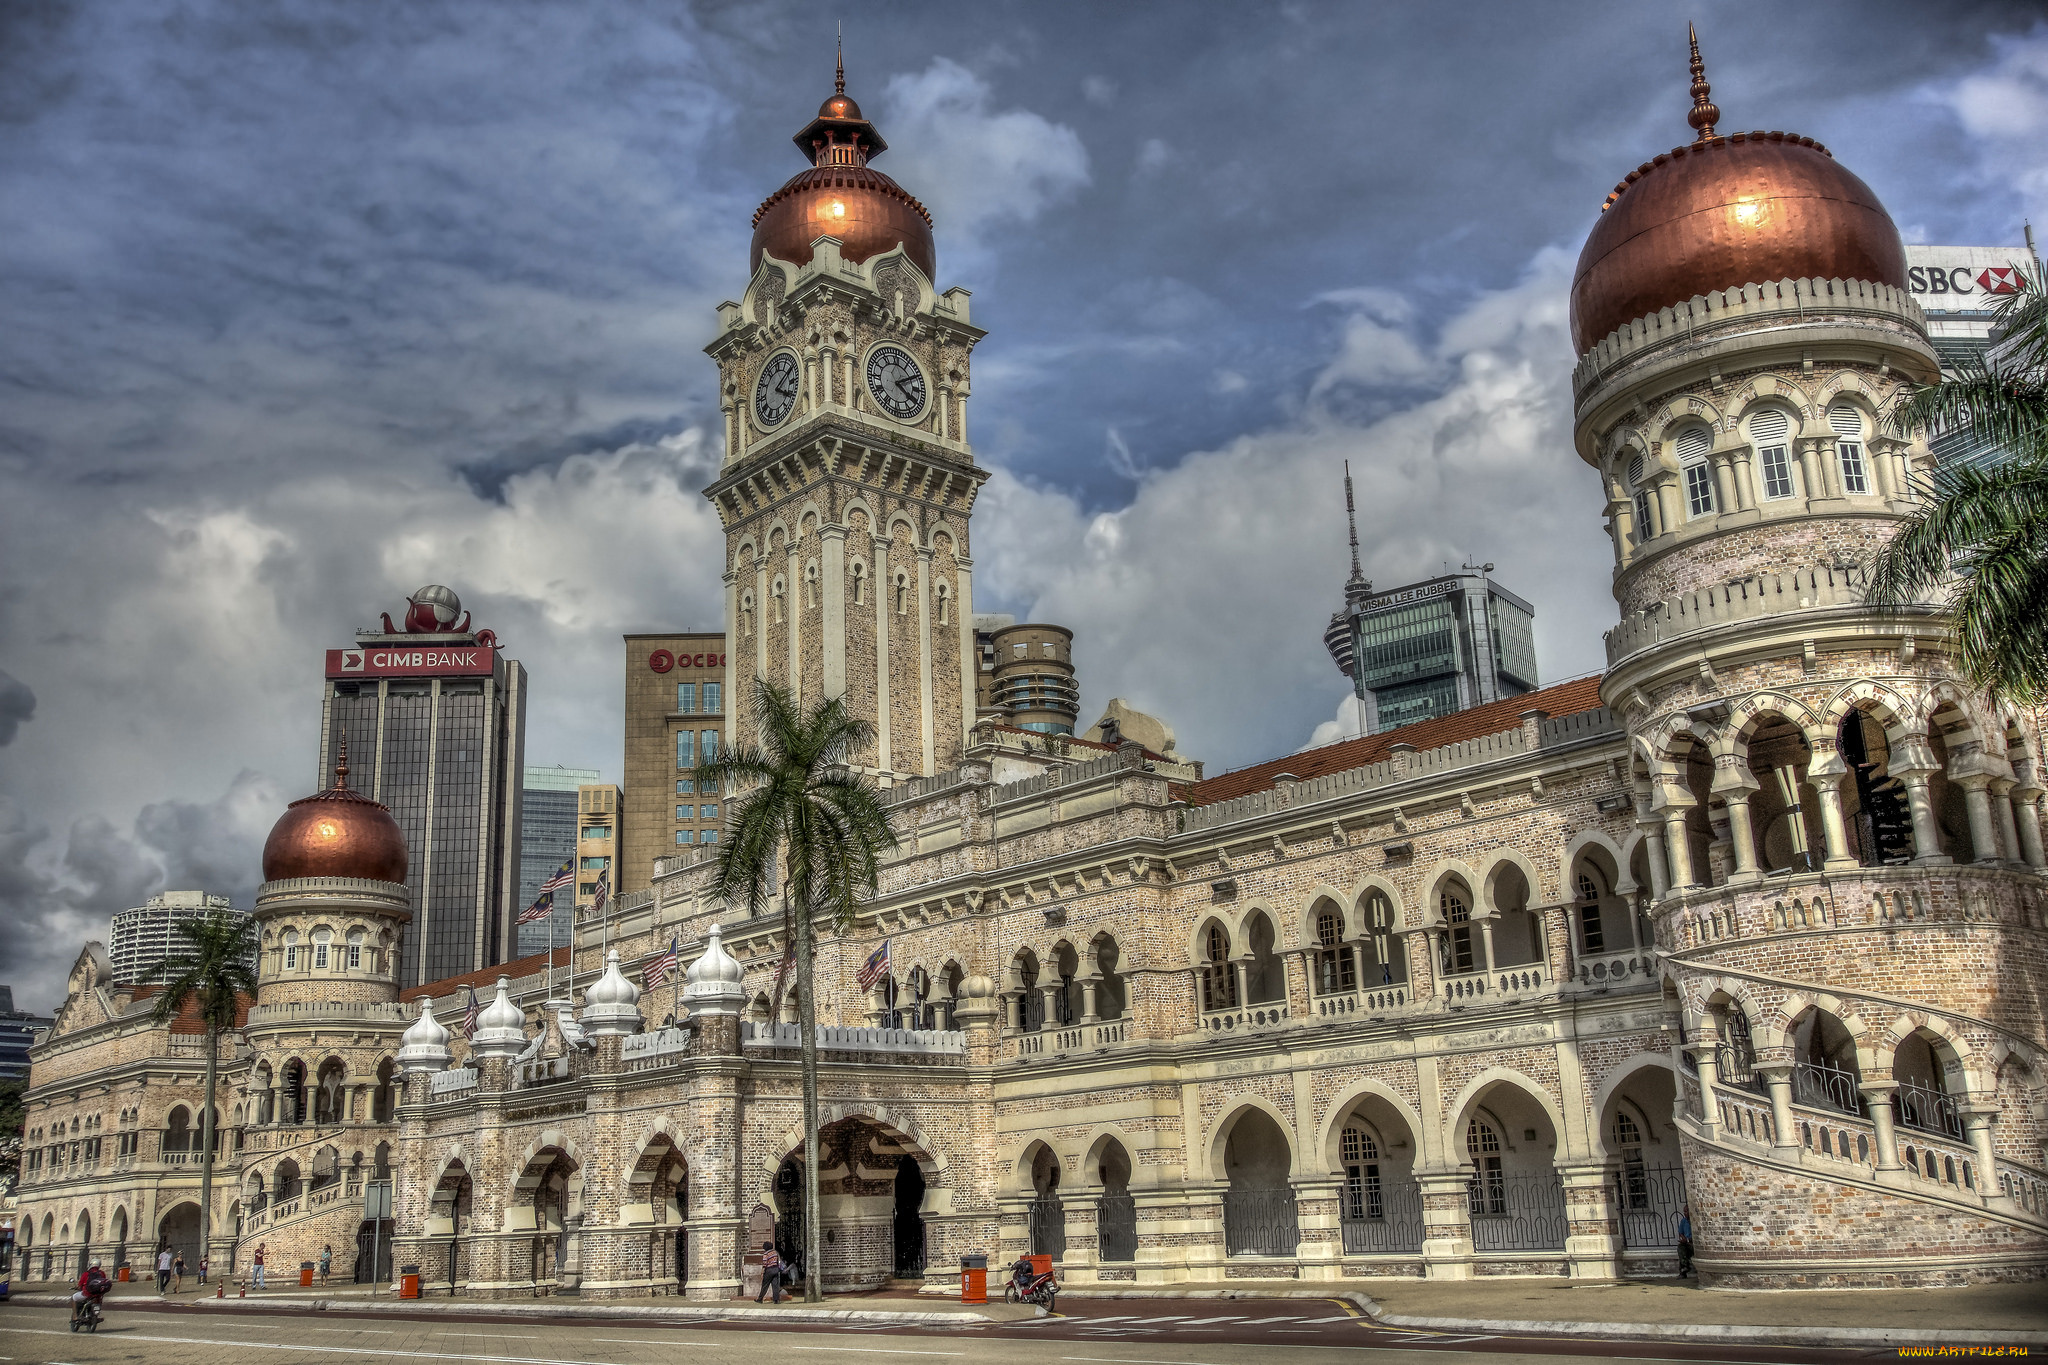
pixel 1769 431
pixel 322 940
pixel 1457 939
pixel 1336 968
pixel 1691 448
pixel 1848 428
pixel 1364 1195
pixel 1636 472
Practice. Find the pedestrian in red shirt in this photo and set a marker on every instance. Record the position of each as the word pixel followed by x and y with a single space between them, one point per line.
pixel 771 1272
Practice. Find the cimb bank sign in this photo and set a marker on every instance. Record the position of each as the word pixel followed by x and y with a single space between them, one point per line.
pixel 1966 279
pixel 416 661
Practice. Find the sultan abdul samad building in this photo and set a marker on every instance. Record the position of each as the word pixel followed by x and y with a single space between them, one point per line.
pixel 1754 920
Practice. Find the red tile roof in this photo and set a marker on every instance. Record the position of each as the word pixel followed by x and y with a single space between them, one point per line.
pixel 488 976
pixel 1565 699
pixel 187 1019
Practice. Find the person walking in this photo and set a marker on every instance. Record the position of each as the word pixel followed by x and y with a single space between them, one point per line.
pixel 771 1272
pixel 326 1263
pixel 259 1264
pixel 178 1272
pixel 163 1269
pixel 205 1264
pixel 1685 1240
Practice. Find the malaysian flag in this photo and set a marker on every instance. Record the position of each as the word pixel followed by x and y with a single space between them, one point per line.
pixel 539 910
pixel 875 968
pixel 469 1016
pixel 565 875
pixel 659 966
pixel 604 891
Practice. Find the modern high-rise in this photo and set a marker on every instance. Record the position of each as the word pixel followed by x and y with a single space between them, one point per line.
pixel 547 839
pixel 1026 676
pixel 675 718
pixel 1961 288
pixel 143 939
pixel 1443 645
pixel 598 807
pixel 434 718
pixel 18 1029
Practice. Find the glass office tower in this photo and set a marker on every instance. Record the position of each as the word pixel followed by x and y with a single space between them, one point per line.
pixel 547 839
pixel 1432 648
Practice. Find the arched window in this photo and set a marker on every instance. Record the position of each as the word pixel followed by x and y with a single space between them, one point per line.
pixel 1336 968
pixel 902 593
pixel 1457 939
pixel 1388 963
pixel 1488 1195
pixel 1219 978
pixel 1364 1197
pixel 1637 471
pixel 1768 431
pixel 1691 447
pixel 1847 424
pixel 322 938
pixel 1590 932
pixel 355 949
pixel 944 595
pixel 746 613
pixel 860 582
pixel 1628 1141
pixel 776 591
pixel 291 950
pixel 811 586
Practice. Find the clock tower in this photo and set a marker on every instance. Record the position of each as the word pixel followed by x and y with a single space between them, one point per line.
pixel 847 481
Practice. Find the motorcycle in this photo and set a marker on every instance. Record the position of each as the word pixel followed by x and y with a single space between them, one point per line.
pixel 87 1315
pixel 1028 1286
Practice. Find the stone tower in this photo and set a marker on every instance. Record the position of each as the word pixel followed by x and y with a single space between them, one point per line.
pixel 847 480
pixel 1839 841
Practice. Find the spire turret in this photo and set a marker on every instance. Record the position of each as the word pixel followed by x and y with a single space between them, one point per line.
pixel 1705 114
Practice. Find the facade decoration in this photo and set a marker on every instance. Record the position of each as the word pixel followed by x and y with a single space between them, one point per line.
pixel 1749 922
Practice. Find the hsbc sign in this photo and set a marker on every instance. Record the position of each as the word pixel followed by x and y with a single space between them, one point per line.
pixel 1965 279
pixel 385 661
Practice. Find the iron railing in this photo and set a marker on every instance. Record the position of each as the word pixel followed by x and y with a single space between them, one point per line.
pixel 1821 1085
pixel 1381 1216
pixel 1048 1227
pixel 1116 1227
pixel 1260 1223
pixel 1926 1109
pixel 1648 1201
pixel 1522 1211
pixel 1736 1069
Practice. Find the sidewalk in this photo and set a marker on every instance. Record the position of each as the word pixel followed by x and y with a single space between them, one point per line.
pixel 1991 1314
pixel 900 1307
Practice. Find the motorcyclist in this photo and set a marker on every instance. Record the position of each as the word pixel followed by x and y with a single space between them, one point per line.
pixel 93 1285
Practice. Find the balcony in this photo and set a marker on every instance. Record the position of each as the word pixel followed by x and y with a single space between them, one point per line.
pixel 936 1045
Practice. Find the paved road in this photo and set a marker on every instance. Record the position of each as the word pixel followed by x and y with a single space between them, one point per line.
pixel 1088 1332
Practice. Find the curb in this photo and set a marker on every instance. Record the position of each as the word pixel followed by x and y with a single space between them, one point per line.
pixel 498 1308
pixel 1763 1336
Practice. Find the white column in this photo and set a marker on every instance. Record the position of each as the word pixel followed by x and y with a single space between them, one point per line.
pixel 832 568
pixel 970 662
pixel 924 654
pixel 2008 828
pixel 761 616
pixel 732 638
pixel 1977 800
pixel 793 615
pixel 2027 816
pixel 884 595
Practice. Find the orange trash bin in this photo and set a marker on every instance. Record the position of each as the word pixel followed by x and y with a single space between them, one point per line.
pixel 122 1274
pixel 974 1279
pixel 305 1274
pixel 1040 1265
pixel 408 1282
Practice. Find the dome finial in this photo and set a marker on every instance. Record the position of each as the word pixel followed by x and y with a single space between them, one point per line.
pixel 839 80
pixel 1704 113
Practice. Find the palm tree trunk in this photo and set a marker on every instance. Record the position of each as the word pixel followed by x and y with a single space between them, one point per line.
pixel 807 1030
pixel 206 1143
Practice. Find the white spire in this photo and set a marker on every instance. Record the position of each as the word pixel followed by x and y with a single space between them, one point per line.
pixel 424 1046
pixel 501 1028
pixel 612 1003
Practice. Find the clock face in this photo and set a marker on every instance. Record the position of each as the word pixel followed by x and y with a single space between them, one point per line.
pixel 775 390
pixel 895 382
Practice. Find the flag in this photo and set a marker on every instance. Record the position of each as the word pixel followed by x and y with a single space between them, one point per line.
pixel 469 1016
pixel 875 968
pixel 565 875
pixel 539 910
pixel 604 890
pixel 658 967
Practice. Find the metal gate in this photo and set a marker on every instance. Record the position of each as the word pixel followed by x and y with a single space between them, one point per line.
pixel 1386 1217
pixel 1647 1201
pixel 1048 1227
pixel 1116 1227
pixel 1260 1223
pixel 1519 1212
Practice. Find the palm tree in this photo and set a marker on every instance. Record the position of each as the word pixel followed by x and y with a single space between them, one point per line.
pixel 214 970
pixel 795 806
pixel 1979 541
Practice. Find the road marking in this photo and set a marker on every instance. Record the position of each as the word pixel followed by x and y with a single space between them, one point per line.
pixel 378 1331
pixel 1341 1317
pixel 1126 1360
pixel 877 1351
pixel 302 1347
pixel 451 1332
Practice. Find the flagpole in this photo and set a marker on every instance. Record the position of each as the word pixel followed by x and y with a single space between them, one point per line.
pixel 675 985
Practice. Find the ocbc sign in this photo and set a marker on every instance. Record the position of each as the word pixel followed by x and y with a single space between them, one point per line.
pixel 661 661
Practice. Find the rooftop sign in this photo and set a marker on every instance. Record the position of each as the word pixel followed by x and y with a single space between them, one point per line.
pixel 412 661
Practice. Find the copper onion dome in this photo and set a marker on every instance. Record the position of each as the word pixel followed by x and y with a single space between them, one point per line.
pixel 1723 212
pixel 335 833
pixel 841 196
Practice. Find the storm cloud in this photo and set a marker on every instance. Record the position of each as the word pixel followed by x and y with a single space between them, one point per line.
pixel 313 303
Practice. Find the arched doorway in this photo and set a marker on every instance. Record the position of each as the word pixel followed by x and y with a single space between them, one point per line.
pixel 1515 1198
pixel 447 1229
pixel 179 1230
pixel 1048 1222
pixel 1258 1208
pixel 1380 1203
pixel 909 1225
pixel 1641 1137
pixel 1116 1212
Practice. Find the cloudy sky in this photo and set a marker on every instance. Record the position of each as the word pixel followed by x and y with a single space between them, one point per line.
pixel 311 304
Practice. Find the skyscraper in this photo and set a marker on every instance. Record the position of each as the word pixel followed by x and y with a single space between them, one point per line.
pixel 675 718
pixel 142 939
pixel 434 717
pixel 547 839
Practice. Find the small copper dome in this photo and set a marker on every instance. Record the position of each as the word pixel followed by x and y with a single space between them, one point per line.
pixel 1724 212
pixel 842 196
pixel 335 833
